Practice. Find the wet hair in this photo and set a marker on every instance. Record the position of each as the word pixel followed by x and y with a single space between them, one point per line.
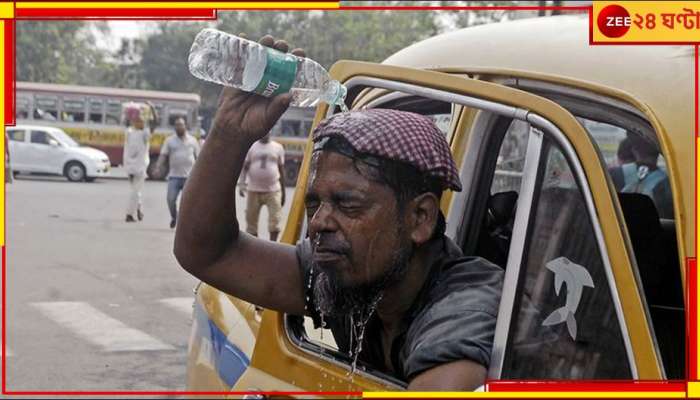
pixel 405 180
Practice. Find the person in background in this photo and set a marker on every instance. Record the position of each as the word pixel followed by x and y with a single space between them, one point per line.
pixel 180 151
pixel 136 157
pixel 626 170
pixel 651 180
pixel 263 182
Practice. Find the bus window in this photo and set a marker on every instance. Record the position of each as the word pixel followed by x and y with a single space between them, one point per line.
pixel 46 108
pixel 23 108
pixel 306 127
pixel 73 110
pixel 95 113
pixel 160 109
pixel 290 128
pixel 113 113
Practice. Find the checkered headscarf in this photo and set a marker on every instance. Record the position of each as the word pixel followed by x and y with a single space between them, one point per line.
pixel 398 136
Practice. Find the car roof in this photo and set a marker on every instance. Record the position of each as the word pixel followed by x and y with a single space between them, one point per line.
pixel 660 76
pixel 38 127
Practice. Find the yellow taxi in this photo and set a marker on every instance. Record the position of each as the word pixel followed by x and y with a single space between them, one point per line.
pixel 577 163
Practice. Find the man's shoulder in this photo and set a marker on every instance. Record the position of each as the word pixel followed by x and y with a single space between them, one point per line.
pixel 277 145
pixel 467 284
pixel 190 138
pixel 460 309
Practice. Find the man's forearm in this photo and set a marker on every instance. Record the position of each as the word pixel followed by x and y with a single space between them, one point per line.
pixel 207 222
pixel 282 177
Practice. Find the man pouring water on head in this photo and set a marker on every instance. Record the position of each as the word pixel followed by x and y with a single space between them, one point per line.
pixel 376 265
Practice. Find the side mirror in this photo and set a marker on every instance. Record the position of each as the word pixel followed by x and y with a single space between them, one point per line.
pixel 53 143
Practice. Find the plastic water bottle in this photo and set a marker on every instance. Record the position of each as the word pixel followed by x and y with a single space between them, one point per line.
pixel 229 60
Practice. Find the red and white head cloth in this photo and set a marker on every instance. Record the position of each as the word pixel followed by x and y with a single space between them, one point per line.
pixel 396 135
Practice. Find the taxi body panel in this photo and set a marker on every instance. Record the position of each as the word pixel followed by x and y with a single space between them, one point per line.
pixel 489 66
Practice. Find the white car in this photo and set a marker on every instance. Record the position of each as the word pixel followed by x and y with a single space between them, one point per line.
pixel 49 150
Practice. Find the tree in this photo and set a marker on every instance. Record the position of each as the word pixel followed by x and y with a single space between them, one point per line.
pixel 59 52
pixel 163 63
pixel 328 36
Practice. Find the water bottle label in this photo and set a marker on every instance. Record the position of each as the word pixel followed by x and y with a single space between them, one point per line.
pixel 280 72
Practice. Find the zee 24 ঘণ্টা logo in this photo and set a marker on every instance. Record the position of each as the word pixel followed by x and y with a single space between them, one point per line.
pixel 614 21
pixel 660 18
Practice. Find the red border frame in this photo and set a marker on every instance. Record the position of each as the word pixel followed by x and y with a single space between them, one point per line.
pixel 210 13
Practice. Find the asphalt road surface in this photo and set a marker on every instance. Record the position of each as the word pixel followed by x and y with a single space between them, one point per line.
pixel 94 303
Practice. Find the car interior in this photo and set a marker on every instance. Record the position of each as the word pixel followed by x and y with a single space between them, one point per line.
pixel 655 248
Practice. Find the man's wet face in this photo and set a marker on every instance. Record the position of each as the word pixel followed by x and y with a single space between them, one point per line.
pixel 358 242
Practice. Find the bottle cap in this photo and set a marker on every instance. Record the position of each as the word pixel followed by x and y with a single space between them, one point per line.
pixel 335 95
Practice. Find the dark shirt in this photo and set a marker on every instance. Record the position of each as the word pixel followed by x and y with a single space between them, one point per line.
pixel 452 318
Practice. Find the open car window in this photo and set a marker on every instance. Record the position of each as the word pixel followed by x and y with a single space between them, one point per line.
pixel 564 323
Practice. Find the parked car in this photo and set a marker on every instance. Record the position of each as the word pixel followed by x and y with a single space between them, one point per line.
pixel 595 277
pixel 49 150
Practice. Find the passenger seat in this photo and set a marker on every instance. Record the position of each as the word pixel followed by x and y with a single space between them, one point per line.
pixel 656 252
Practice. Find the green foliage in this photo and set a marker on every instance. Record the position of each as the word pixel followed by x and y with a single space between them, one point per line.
pixel 163 64
pixel 328 36
pixel 58 52
pixel 66 51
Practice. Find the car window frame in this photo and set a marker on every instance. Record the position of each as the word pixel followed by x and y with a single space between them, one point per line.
pixel 24 136
pixel 530 185
pixel 46 134
pixel 584 103
pixel 464 205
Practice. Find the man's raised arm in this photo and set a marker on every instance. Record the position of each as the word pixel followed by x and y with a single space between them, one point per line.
pixel 208 240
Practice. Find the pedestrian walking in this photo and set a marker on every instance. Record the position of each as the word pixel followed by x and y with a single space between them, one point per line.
pixel 136 157
pixel 262 181
pixel 179 151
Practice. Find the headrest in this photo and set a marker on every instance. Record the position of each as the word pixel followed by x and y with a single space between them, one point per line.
pixel 641 215
pixel 502 206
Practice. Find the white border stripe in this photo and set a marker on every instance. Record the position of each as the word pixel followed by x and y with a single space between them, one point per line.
pixel 181 304
pixel 98 328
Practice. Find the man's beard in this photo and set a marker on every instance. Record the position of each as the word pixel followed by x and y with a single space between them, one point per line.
pixel 331 297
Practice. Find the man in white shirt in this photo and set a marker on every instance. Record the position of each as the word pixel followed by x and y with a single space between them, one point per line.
pixel 181 151
pixel 263 182
pixel 136 159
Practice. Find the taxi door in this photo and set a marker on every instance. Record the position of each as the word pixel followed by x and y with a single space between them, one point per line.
pixel 560 159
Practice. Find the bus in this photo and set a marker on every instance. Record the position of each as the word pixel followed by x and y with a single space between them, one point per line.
pixel 93 115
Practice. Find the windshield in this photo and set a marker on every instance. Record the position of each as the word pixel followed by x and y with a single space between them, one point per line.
pixel 64 139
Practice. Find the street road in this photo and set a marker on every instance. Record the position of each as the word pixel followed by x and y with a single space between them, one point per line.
pixel 94 303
